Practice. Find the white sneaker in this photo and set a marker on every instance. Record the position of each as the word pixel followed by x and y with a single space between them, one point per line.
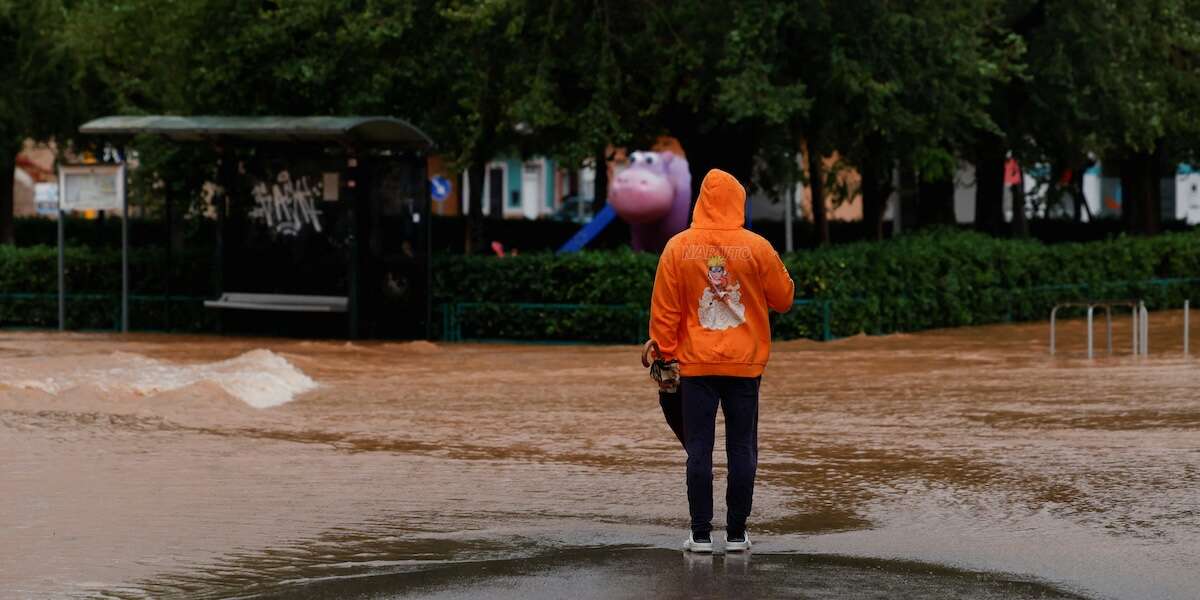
pixel 691 545
pixel 741 545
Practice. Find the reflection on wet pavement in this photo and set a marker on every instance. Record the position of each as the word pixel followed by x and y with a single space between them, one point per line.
pixel 631 573
pixel 416 463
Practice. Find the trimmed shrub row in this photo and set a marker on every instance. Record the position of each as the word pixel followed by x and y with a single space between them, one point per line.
pixel 934 279
pixel 29 284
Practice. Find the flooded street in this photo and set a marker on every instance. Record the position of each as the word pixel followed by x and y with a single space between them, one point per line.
pixel 959 464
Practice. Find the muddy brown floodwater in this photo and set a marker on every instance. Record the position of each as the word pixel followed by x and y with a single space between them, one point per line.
pixel 959 464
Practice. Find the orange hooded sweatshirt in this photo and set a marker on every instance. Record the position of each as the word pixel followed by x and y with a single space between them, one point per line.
pixel 714 285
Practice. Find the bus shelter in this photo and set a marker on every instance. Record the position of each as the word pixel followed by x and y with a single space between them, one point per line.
pixel 313 215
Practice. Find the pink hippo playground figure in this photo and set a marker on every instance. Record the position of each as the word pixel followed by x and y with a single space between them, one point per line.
pixel 653 194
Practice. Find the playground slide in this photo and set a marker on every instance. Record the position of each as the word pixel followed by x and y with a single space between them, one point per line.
pixel 589 231
pixel 602 220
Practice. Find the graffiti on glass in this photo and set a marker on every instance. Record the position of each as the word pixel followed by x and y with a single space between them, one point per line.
pixel 288 204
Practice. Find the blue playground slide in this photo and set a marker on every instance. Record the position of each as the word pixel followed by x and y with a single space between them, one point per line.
pixel 599 222
pixel 589 231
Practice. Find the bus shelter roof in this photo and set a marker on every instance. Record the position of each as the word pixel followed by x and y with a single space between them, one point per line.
pixel 347 130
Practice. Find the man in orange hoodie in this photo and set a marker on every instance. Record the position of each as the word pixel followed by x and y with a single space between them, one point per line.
pixel 709 316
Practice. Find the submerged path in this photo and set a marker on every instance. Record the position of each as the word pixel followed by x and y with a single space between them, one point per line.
pixel 948 464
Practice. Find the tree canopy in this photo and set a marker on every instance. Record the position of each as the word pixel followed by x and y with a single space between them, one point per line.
pixel 752 86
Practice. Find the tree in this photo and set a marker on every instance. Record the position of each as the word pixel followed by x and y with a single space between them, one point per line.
pixel 1099 79
pixel 36 100
pixel 294 58
pixel 881 83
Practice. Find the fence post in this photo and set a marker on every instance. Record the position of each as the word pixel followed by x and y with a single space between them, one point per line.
pixel 1091 310
pixel 1187 331
pixel 1145 318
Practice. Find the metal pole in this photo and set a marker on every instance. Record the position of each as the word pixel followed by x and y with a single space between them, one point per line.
pixel 355 214
pixel 169 217
pixel 1145 330
pixel 1091 310
pixel 1187 329
pixel 62 295
pixel 124 251
pixel 428 260
pixel 789 207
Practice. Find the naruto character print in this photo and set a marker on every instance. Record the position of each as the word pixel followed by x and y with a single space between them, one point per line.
pixel 721 303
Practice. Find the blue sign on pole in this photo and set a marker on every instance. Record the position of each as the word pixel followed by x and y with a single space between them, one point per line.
pixel 439 187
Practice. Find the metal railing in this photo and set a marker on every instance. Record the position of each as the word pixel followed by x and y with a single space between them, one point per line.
pixel 1140 321
pixel 1139 331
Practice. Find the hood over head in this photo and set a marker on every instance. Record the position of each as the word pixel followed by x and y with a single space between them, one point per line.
pixel 721 204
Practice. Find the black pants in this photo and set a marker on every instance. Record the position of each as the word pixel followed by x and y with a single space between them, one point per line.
pixel 738 398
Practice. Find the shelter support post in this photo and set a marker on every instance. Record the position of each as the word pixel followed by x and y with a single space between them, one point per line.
pixel 356 215
pixel 427 210
pixel 169 217
pixel 62 293
pixel 226 173
pixel 124 253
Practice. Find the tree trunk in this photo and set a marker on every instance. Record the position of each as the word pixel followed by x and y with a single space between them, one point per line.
pixel 876 187
pixel 8 165
pixel 473 240
pixel 1020 223
pixel 872 199
pixel 936 206
pixel 989 186
pixel 600 197
pixel 816 182
pixel 1141 201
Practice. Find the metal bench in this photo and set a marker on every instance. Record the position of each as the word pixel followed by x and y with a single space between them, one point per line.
pixel 280 302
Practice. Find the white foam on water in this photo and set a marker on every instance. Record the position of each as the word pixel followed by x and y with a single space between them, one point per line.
pixel 259 377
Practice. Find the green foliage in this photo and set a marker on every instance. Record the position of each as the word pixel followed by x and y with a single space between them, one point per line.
pixel 621 277
pixel 36 100
pixel 936 279
pixel 29 283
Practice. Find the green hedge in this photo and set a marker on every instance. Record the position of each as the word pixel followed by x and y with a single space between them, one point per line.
pixel 934 279
pixel 29 287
